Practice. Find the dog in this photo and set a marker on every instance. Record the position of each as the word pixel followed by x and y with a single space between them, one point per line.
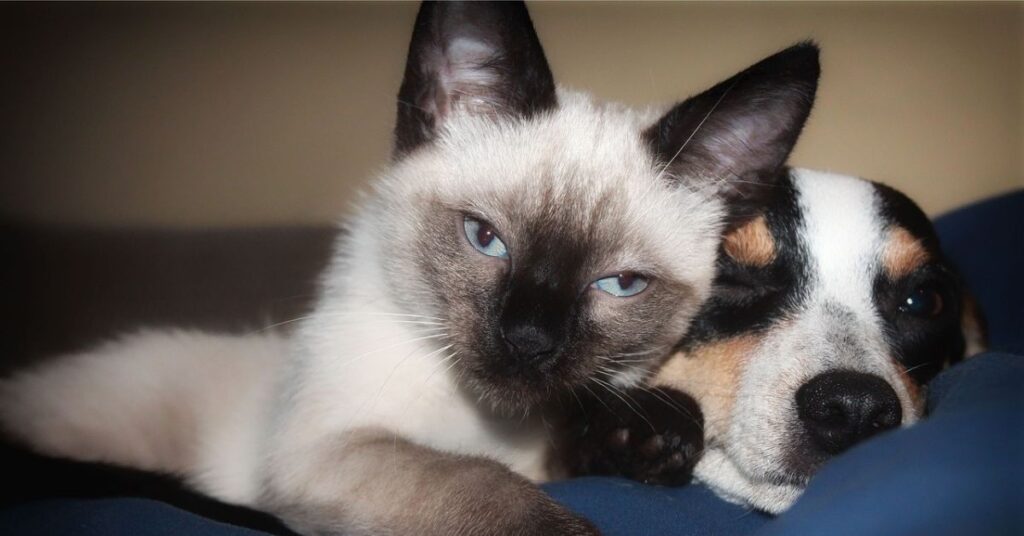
pixel 831 311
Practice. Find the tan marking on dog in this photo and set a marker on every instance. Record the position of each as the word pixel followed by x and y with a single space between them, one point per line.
pixel 711 375
pixel 751 244
pixel 902 254
pixel 914 391
pixel 973 326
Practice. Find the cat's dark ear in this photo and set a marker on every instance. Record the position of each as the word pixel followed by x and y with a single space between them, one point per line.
pixel 482 57
pixel 736 136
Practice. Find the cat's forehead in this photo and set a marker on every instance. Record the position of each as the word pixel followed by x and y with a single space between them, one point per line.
pixel 582 149
pixel 586 154
pixel 582 170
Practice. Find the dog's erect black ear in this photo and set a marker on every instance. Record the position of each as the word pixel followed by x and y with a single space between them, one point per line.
pixel 482 57
pixel 737 135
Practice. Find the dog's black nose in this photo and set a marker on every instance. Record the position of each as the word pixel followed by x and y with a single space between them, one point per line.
pixel 841 408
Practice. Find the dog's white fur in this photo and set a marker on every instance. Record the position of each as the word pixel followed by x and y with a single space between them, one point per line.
pixel 845 236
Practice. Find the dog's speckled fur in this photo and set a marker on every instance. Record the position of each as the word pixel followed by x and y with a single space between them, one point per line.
pixel 848 257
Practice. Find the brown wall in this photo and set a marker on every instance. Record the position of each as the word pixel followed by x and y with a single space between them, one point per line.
pixel 228 114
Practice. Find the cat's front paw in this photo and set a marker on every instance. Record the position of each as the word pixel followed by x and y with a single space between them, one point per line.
pixel 655 436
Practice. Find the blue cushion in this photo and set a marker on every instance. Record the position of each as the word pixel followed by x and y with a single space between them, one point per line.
pixel 958 472
pixel 102 517
pixel 986 242
pixel 619 507
pixel 961 471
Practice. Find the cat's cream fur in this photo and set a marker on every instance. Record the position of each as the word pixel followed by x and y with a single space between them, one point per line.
pixel 234 413
pixel 373 415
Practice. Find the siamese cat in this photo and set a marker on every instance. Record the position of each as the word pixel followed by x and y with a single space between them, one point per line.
pixel 527 242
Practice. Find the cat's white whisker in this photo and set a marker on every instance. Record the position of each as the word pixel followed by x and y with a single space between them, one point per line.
pixel 698 127
pixel 578 401
pixel 440 364
pixel 453 363
pixel 277 324
pixel 378 313
pixel 639 353
pixel 595 397
pixel 437 368
pixel 391 346
pixel 660 395
pixel 387 379
pixel 615 392
pixel 629 361
pixel 423 319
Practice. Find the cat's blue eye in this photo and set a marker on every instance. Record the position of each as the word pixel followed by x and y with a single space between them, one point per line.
pixel 484 238
pixel 622 285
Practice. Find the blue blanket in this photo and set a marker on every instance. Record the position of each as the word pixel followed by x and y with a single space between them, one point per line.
pixel 961 471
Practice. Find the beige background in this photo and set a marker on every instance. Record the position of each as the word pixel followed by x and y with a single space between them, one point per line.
pixel 240 114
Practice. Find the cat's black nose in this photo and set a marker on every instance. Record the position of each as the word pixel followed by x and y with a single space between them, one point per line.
pixel 841 408
pixel 529 343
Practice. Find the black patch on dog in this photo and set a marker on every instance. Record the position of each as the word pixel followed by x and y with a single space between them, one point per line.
pixel 923 344
pixel 748 299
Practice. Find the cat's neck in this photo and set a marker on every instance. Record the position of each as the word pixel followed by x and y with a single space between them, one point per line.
pixel 362 360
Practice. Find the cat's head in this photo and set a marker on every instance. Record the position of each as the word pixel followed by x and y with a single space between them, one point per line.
pixel 564 243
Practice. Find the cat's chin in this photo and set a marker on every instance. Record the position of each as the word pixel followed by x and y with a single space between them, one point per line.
pixel 505 402
pixel 523 398
pixel 515 398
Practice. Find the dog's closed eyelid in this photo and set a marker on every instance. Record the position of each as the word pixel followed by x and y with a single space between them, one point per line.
pixel 739 284
pixel 743 291
pixel 744 277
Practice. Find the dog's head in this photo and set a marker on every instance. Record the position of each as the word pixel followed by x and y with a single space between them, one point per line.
pixel 832 309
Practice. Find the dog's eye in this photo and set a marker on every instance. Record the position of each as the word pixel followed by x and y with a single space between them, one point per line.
pixel 484 238
pixel 622 285
pixel 744 286
pixel 923 302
